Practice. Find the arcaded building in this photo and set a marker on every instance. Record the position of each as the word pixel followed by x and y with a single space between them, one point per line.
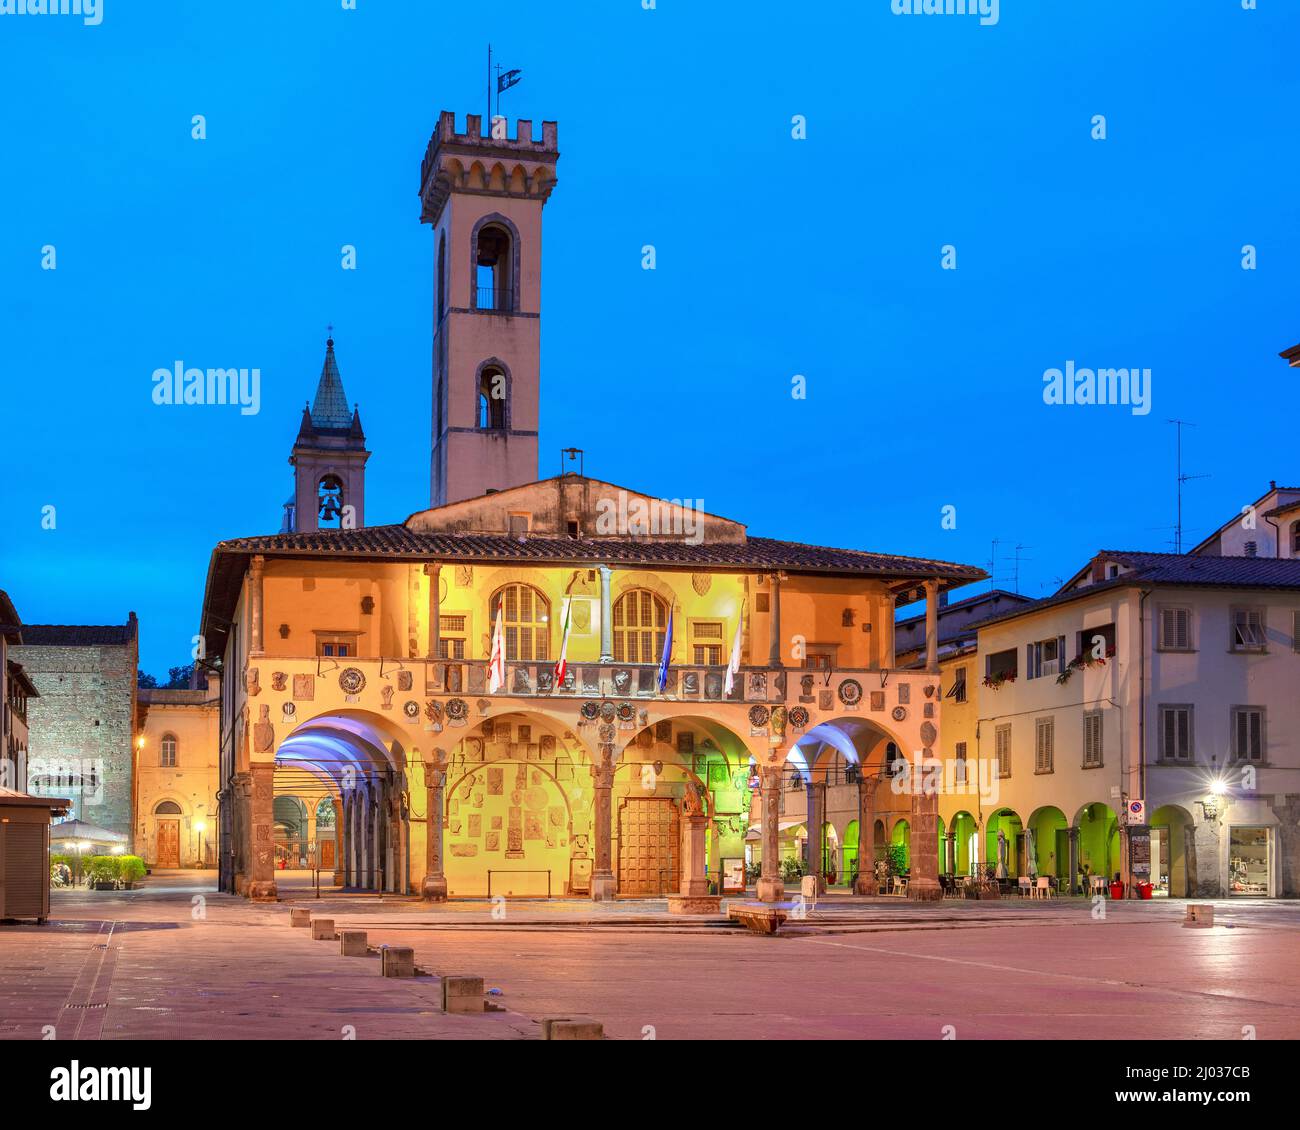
pixel 554 687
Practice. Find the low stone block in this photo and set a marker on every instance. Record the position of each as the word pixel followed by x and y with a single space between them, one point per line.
pixel 759 917
pixel 397 961
pixel 572 1028
pixel 694 904
pixel 322 929
pixel 352 943
pixel 462 994
pixel 1199 914
pixel 299 916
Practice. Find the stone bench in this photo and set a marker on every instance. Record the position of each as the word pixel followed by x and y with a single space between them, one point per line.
pixel 299 916
pixel 761 918
pixel 322 929
pixel 352 943
pixel 572 1028
pixel 396 961
pixel 694 904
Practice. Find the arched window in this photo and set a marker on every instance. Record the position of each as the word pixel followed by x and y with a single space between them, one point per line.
pixel 492 263
pixel 441 281
pixel 640 620
pixel 325 813
pixel 167 752
pixel 167 808
pixel 526 620
pixel 493 391
pixel 329 502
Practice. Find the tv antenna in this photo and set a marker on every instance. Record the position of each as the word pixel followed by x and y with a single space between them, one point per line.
pixel 1182 478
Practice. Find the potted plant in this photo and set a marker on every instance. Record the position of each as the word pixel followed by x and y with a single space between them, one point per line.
pixel 102 873
pixel 130 870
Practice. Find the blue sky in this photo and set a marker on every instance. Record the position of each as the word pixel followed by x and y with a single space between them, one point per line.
pixel 775 257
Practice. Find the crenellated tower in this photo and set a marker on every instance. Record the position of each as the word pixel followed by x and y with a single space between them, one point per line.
pixel 484 196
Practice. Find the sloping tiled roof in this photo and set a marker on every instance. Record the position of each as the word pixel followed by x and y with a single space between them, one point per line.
pixel 398 541
pixel 967 602
pixel 1174 569
pixel 330 408
pixel 77 635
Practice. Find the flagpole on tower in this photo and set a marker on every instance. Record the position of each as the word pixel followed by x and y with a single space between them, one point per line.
pixel 489 88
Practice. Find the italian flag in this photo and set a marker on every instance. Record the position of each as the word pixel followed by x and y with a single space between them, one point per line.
pixel 561 665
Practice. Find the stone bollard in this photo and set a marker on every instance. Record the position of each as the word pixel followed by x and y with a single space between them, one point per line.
pixel 299 916
pixel 352 943
pixel 1199 914
pixel 322 929
pixel 572 1028
pixel 396 961
pixel 462 994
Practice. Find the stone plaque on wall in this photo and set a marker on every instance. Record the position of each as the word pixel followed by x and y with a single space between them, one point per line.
pixel 304 687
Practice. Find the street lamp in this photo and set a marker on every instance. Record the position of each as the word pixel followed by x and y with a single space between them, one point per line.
pixel 199 828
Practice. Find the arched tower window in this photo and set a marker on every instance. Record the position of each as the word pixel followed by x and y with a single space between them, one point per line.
pixel 329 502
pixel 493 391
pixel 526 621
pixel 167 808
pixel 640 620
pixel 493 269
pixel 440 282
pixel 167 752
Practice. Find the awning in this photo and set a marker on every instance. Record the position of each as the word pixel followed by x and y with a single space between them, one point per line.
pixel 79 830
pixel 756 830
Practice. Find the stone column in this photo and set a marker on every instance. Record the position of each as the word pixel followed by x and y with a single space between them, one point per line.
pixel 606 617
pixel 368 838
pixel 770 886
pixel 923 883
pixel 312 846
pixel 433 572
pixel 866 882
pixel 774 623
pixel 241 839
pixel 694 829
pixel 949 853
pixel 603 883
pixel 1072 834
pixel 255 615
pixel 1191 880
pixel 816 791
pixel 261 885
pixel 932 626
pixel 434 886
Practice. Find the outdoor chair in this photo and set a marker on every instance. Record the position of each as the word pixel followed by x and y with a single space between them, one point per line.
pixel 1044 888
pixel 1026 890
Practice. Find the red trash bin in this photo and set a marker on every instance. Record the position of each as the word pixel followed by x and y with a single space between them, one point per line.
pixel 1144 890
pixel 1117 890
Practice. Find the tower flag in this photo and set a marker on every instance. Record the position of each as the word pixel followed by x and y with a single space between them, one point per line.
pixel 497 664
pixel 733 665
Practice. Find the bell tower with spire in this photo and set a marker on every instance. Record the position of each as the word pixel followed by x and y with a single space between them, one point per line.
pixel 483 194
pixel 329 460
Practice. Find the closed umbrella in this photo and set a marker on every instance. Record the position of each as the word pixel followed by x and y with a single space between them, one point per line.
pixel 1031 856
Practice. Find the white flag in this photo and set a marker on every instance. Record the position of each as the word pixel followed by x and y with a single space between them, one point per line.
pixel 497 664
pixel 733 667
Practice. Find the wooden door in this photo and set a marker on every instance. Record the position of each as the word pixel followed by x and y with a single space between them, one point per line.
pixel 326 854
pixel 648 847
pixel 169 843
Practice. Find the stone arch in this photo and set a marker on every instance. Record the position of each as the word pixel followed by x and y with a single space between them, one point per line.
pixel 495 219
pixel 1173 851
pixel 1047 849
pixel 507 405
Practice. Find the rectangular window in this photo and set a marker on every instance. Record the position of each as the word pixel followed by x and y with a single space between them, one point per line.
pixel 706 642
pixel 1092 739
pixel 1002 747
pixel 1001 665
pixel 1247 630
pixel 1044 744
pixel 451 647
pixel 1095 643
pixel 1044 657
pixel 959 751
pixel 1176 733
pixel 337 649
pixel 453 631
pixel 957 692
pixel 339 645
pixel 1248 733
pixel 1176 629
